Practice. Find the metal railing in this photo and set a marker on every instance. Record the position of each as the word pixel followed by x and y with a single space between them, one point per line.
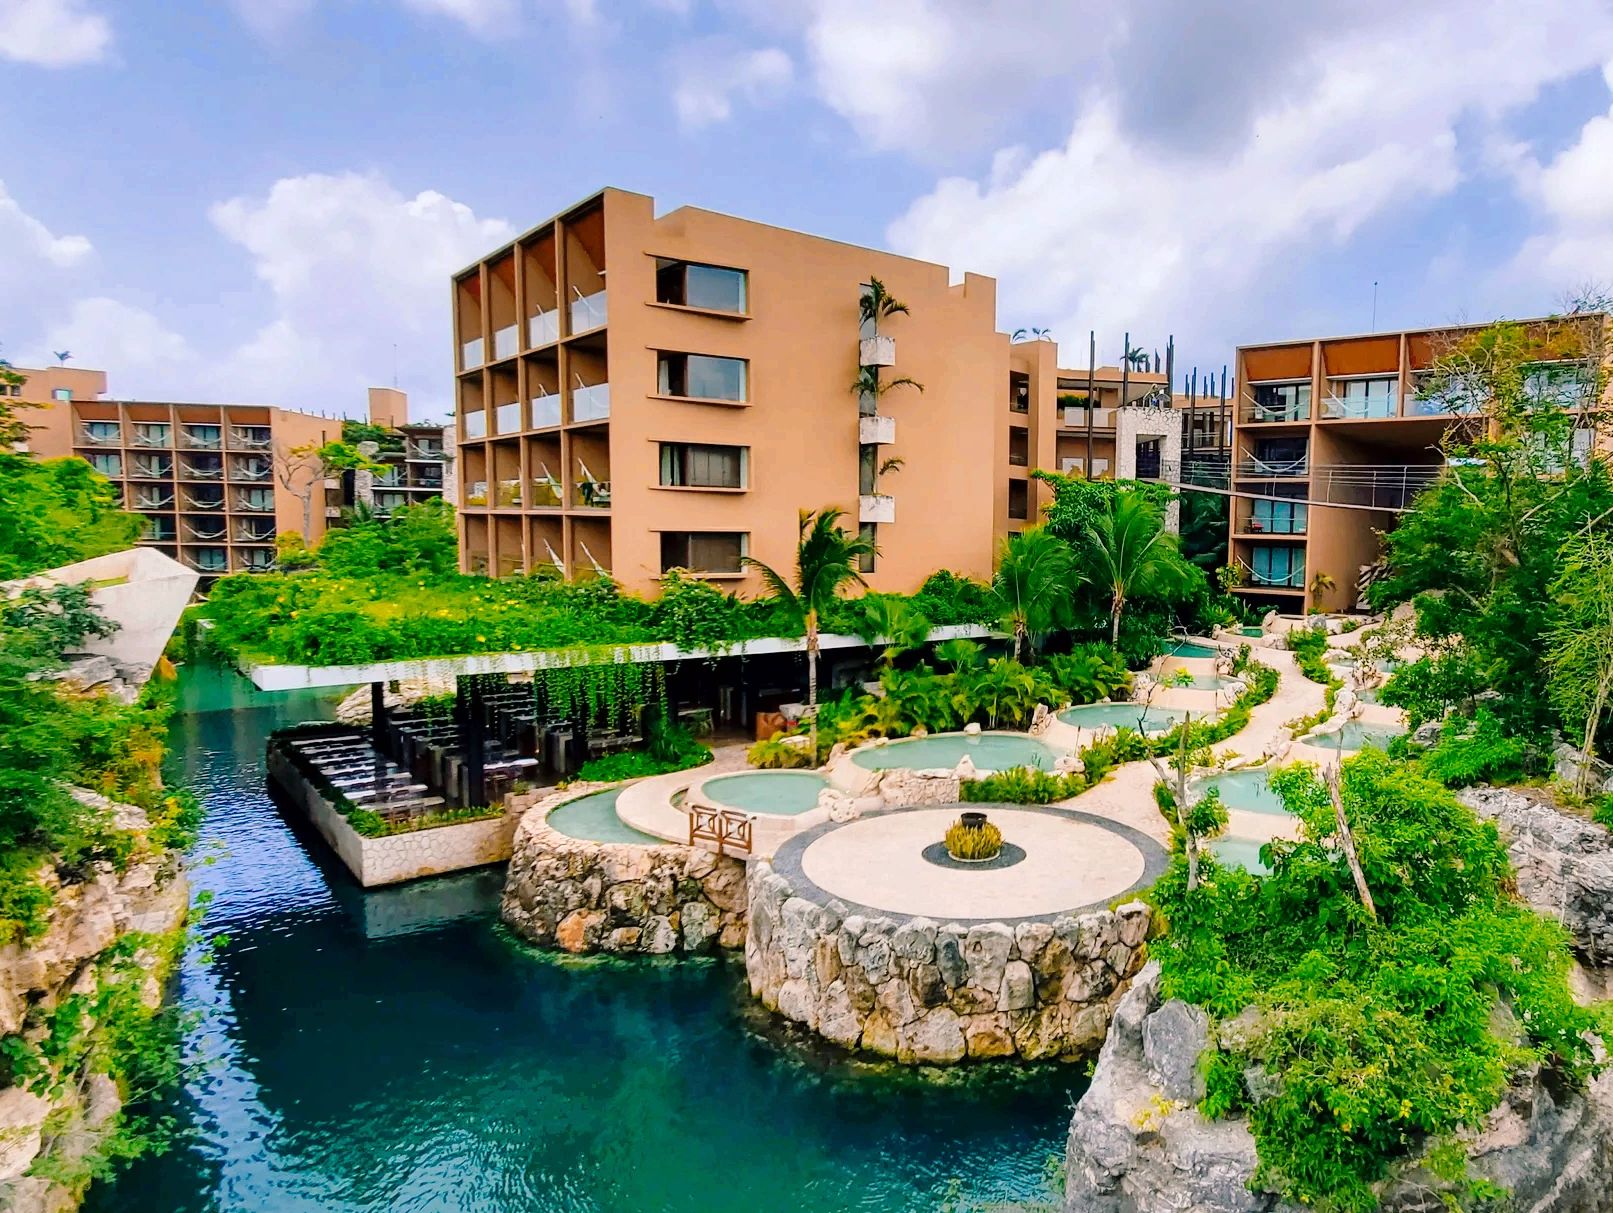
pixel 1253 467
pixel 1377 405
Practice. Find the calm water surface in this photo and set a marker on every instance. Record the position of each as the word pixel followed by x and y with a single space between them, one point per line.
pixel 397 1051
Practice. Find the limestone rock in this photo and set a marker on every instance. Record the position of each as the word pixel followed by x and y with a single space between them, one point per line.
pixel 22 1123
pixel 936 1039
pixel 986 949
pixel 988 1036
pixel 1018 991
pixel 838 1020
pixel 1174 1037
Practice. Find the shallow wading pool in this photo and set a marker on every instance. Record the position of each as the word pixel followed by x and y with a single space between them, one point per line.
pixel 1240 853
pixel 988 752
pixel 784 793
pixel 1190 648
pixel 1247 790
pixel 1132 716
pixel 1357 736
pixel 592 818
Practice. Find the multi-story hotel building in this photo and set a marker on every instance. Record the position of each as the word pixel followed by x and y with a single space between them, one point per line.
pixel 418 459
pixel 638 393
pixel 1334 436
pixel 218 483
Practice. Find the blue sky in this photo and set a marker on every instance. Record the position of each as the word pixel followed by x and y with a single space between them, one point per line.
pixel 262 199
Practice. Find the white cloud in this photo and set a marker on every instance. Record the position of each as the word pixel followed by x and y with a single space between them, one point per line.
pixel 479 16
pixel 712 73
pixel 1572 195
pixel 269 18
pixel 126 340
pixel 358 277
pixel 1121 226
pixel 53 33
pixel 27 246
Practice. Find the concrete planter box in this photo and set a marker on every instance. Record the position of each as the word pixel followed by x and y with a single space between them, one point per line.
pixel 877 351
pixel 876 508
pixel 876 431
pixel 397 857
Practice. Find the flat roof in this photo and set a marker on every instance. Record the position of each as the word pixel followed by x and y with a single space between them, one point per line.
pixel 1432 328
pixel 304 677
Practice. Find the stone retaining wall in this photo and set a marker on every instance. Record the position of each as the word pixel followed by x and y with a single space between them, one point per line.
pixel 582 896
pixel 396 857
pixel 1564 863
pixel 921 991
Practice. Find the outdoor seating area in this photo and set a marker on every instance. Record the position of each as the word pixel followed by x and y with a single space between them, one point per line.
pixel 350 765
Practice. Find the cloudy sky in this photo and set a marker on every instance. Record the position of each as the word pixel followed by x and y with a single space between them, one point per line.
pixel 262 199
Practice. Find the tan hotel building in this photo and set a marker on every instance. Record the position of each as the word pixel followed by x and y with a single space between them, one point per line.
pixel 1341 423
pixel 206 477
pixel 640 393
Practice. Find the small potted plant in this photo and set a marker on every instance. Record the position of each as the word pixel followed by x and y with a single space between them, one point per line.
pixel 973 839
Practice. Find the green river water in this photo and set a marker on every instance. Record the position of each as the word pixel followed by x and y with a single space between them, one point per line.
pixel 396 1050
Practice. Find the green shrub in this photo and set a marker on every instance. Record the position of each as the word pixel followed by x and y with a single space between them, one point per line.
pixel 1602 811
pixel 1022 785
pixel 1479 750
pixel 982 842
pixel 1089 672
pixel 775 753
pixel 1377 1036
pixel 669 749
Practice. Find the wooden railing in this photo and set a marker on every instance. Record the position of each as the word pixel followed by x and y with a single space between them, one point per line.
pixel 728 831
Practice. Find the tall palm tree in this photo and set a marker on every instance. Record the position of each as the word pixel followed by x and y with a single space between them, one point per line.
pixel 1036 578
pixel 826 561
pixel 1133 555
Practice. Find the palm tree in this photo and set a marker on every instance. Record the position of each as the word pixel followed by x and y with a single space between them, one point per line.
pixel 1133 555
pixel 1321 584
pixel 1031 334
pixel 826 561
pixel 879 304
pixel 869 383
pixel 1036 577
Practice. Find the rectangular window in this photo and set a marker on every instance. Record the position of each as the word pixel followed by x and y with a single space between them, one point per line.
pixel 1019 499
pixel 700 466
pixel 1283 567
pixel 702 377
pixel 61 393
pixel 1277 517
pixel 107 465
pixel 1280 456
pixel 690 284
pixel 703 551
pixel 1019 446
pixel 1019 392
pixel 1281 402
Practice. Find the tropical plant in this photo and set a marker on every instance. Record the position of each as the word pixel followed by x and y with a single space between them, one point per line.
pixel 1579 647
pixel 1004 691
pixel 1321 583
pixel 878 304
pixel 960 654
pixel 826 560
pixel 1032 334
pixel 894 464
pixel 984 841
pixel 778 753
pixel 1035 577
pixel 893 622
pixel 868 383
pixel 1131 554
pixel 1089 672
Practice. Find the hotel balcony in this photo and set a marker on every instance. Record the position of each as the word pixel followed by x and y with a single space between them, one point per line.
pixel 592 494
pixel 876 507
pixel 1261 469
pixel 1076 418
pixel 423 450
pixel 202 501
pixel 591 402
pixel 385 503
pixel 100 433
pixel 249 437
pixel 145 499
pixel 254 530
pixel 204 468
pixel 543 328
pixel 506 341
pixel 153 434
pixel 507 494
pixel 208 560
pixel 589 312
pixel 470 354
pixel 255 501
pixel 255 560
pixel 200 437
pixel 207 530
pixel 151 469
pixel 1275 518
pixel 545 411
pixel 507 417
pixel 876 430
pixel 250 469
pixel 159 530
pixel 1374 405
pixel 476 493
pixel 546 493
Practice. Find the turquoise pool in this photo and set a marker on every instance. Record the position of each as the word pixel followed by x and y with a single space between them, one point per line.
pixel 1190 648
pixel 988 751
pixel 1357 736
pixel 593 819
pixel 1247 790
pixel 783 792
pixel 1241 853
pixel 1256 630
pixel 1125 715
pixel 1213 682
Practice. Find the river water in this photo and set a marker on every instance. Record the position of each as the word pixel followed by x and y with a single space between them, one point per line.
pixel 396 1050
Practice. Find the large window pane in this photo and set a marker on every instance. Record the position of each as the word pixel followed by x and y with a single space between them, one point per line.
pixel 697 465
pixel 702 376
pixel 688 284
pixel 702 551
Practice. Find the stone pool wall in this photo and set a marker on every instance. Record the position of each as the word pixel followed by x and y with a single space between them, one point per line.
pixel 394 858
pixel 921 991
pixel 581 896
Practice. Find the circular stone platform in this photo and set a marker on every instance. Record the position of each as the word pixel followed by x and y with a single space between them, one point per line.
pixel 875 864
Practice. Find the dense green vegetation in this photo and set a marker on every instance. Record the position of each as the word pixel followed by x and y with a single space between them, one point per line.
pixel 1504 555
pixel 1371 1038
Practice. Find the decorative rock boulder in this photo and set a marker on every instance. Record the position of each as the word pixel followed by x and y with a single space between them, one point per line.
pixel 972 729
pixel 965 768
pixel 1040 719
